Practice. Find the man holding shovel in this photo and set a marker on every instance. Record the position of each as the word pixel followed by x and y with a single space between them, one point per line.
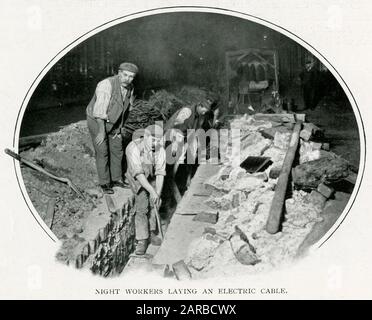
pixel 146 160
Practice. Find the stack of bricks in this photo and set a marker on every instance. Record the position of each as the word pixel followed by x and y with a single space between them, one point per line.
pixel 108 253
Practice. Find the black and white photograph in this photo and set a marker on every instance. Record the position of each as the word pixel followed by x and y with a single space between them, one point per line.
pixel 190 145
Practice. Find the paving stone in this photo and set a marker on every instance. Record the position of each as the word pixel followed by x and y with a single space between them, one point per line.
pixel 325 190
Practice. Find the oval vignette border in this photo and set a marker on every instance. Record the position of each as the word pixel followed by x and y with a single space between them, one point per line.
pixel 246 16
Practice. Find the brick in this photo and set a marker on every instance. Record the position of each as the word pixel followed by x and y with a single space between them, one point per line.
pixel 282 139
pixel 269 133
pixel 289 125
pixel 211 217
pixel 314 155
pixel 326 146
pixel 213 238
pixel 260 175
pixel 224 173
pixel 325 190
pixel 110 203
pixel 275 172
pixel 235 200
pixel 79 261
pixel 168 272
pixel 310 130
pixel 305 134
pixel 230 218
pixel 181 270
pixel 210 230
pixel 92 246
pixel 312 127
pixel 131 202
pixel 102 234
pixel 97 240
pixel 243 251
pixel 125 209
pixel 316 145
pixel 300 117
pixel 85 251
pixel 317 199
pixel 108 228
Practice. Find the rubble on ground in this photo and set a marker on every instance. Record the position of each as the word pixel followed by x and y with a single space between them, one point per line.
pixel 238 241
pixel 244 201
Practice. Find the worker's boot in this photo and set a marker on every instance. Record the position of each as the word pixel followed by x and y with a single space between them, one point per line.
pixel 141 247
pixel 154 239
pixel 106 188
pixel 120 184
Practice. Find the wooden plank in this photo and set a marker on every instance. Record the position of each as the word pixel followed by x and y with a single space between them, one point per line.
pixel 192 202
pixel 181 231
pixel 276 117
pixel 207 217
pixel 275 214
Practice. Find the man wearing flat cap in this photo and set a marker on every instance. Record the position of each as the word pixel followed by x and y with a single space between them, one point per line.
pixel 146 171
pixel 106 115
pixel 183 141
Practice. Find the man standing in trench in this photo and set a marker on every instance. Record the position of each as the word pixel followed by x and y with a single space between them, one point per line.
pixel 190 117
pixel 146 170
pixel 106 115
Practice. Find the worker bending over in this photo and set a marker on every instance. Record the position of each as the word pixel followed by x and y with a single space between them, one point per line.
pixel 184 141
pixel 146 161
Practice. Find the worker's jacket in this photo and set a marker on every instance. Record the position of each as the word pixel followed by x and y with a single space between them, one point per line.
pixel 186 141
pixel 118 106
pixel 142 160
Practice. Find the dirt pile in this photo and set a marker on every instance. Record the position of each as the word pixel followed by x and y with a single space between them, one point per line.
pixel 67 153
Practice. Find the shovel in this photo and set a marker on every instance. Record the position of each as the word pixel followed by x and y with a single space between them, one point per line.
pixel 158 221
pixel 40 169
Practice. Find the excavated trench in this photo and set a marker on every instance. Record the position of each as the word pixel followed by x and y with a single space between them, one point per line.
pixel 217 229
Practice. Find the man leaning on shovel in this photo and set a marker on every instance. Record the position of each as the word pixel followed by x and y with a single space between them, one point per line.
pixel 146 161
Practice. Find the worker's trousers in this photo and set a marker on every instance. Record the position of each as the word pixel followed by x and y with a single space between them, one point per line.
pixel 108 154
pixel 145 219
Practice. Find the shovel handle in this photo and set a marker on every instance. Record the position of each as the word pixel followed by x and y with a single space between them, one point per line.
pixel 13 154
pixel 32 165
pixel 40 169
pixel 157 216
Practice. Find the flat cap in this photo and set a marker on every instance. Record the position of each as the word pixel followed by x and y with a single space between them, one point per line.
pixel 206 103
pixel 127 66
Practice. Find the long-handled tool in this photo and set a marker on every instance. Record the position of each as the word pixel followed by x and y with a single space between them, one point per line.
pixel 158 221
pixel 276 209
pixel 40 169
